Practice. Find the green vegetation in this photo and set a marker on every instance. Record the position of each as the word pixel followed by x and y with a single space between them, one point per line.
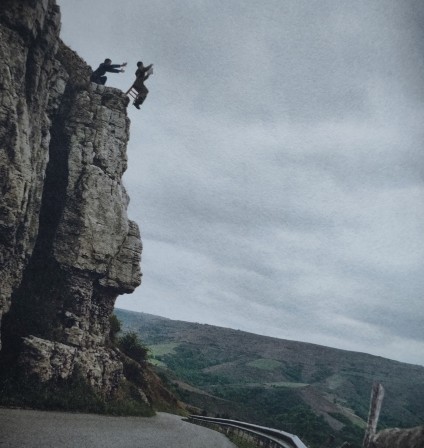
pixel 158 351
pixel 265 364
pixel 321 374
pixel 130 344
pixel 73 394
pixel 156 362
pixel 310 427
pixel 240 442
pixel 278 383
pixel 293 372
pixel 188 363
pixel 286 384
pixel 163 349
pixel 136 355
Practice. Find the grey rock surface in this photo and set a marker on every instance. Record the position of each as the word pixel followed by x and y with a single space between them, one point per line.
pixel 67 247
pixel 51 360
pixel 29 80
pixel 35 429
pixel 399 438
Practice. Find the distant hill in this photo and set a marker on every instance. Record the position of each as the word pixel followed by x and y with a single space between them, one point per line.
pixel 307 389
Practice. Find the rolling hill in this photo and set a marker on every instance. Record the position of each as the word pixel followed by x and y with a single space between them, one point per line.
pixel 311 390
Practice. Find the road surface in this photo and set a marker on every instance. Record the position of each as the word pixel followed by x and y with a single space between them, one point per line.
pixel 39 429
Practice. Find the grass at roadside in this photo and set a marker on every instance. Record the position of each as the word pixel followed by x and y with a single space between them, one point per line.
pixel 241 443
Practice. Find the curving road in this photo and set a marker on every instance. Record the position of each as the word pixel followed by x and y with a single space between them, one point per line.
pixel 37 429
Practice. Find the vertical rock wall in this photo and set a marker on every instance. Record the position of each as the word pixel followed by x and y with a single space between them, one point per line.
pixel 28 43
pixel 67 248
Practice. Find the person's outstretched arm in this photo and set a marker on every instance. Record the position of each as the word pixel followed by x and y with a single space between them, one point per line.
pixel 113 68
pixel 146 69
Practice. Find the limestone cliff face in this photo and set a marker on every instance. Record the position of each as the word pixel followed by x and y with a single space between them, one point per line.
pixel 67 248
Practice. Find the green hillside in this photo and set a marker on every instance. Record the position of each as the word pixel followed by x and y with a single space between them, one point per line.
pixel 307 389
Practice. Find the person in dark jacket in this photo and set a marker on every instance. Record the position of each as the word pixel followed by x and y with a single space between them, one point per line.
pixel 106 66
pixel 141 75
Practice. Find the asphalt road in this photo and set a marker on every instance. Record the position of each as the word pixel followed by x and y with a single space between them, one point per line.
pixel 38 429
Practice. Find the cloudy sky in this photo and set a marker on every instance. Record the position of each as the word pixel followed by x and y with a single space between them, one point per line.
pixel 276 167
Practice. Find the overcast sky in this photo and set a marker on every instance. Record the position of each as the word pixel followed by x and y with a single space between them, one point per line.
pixel 276 167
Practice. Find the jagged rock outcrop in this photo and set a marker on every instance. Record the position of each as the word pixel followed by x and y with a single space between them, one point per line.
pixel 67 248
pixel 399 438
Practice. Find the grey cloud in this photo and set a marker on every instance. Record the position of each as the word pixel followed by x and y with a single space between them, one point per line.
pixel 276 167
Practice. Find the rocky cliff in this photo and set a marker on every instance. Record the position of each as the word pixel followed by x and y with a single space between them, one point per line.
pixel 399 438
pixel 67 247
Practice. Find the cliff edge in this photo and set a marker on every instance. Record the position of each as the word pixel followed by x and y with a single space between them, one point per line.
pixel 67 247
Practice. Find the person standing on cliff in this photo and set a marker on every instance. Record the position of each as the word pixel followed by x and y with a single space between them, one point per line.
pixel 141 75
pixel 98 75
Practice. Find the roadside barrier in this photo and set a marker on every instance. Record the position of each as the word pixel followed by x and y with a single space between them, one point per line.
pixel 261 435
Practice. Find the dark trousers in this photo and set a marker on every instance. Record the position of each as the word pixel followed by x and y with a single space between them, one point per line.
pixel 139 100
pixel 142 93
pixel 98 79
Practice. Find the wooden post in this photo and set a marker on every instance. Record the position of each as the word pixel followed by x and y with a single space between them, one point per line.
pixel 377 395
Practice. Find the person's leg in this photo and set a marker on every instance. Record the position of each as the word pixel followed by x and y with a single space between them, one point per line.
pixel 103 80
pixel 139 100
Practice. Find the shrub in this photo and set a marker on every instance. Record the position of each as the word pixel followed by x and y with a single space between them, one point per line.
pixel 131 345
pixel 133 371
pixel 71 395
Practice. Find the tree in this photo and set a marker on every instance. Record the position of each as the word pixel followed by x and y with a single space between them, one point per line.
pixel 132 346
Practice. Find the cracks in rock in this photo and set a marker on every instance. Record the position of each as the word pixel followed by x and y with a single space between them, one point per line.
pixel 56 181
pixel 113 258
pixel 30 76
pixel 39 294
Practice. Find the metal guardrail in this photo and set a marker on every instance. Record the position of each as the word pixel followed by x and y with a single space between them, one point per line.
pixel 273 437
